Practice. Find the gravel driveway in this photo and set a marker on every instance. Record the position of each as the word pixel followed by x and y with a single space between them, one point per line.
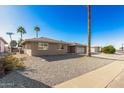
pixel 48 71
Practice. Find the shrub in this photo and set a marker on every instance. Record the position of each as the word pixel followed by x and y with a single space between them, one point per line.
pixel 13 43
pixel 108 49
pixel 11 63
pixel 1 68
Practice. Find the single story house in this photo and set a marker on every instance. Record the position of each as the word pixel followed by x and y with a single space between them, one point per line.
pixel 76 48
pixel 95 49
pixel 2 45
pixel 46 46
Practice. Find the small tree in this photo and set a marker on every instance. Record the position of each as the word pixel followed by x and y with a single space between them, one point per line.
pixel 13 43
pixel 108 49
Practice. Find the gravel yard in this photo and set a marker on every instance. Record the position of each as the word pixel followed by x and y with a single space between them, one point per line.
pixel 48 71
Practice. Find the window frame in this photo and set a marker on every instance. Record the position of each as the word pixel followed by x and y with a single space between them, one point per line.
pixel 60 47
pixel 43 46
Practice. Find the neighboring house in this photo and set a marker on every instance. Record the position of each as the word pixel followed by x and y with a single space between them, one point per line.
pixel 2 45
pixel 95 49
pixel 46 46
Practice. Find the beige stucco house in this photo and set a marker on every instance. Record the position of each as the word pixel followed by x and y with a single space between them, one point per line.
pixel 95 49
pixel 46 46
pixel 2 45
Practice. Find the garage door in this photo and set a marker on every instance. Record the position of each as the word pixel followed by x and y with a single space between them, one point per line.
pixel 80 50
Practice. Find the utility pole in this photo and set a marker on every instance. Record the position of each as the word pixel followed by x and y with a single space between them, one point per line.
pixel 89 32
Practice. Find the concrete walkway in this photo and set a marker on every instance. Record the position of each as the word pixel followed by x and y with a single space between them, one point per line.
pixel 118 82
pixel 99 78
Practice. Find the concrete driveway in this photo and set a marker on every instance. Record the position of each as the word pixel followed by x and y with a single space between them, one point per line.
pixel 118 82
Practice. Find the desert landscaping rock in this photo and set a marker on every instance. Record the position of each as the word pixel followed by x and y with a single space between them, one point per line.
pixel 41 73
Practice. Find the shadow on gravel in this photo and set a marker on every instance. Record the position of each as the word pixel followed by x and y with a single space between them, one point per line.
pixel 17 80
pixel 51 58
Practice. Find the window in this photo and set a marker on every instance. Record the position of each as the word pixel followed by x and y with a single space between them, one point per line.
pixel 60 47
pixel 42 46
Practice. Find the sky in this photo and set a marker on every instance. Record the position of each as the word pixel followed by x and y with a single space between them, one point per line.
pixel 67 23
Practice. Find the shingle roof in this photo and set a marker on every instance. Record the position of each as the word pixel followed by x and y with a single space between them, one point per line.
pixel 3 40
pixel 49 40
pixel 44 39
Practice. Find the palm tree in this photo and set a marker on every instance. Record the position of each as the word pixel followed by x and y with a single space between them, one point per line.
pixel 89 32
pixel 37 29
pixel 10 35
pixel 21 30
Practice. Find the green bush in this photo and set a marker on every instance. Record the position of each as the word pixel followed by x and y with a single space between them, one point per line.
pixel 11 63
pixel 108 49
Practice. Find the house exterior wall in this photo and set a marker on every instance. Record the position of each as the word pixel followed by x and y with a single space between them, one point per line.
pixel 80 49
pixel 95 49
pixel 32 49
pixel 28 52
pixel 27 49
pixel 2 46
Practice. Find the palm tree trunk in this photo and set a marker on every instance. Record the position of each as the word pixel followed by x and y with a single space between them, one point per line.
pixel 10 43
pixel 37 34
pixel 89 32
pixel 21 36
pixel 10 37
pixel 20 42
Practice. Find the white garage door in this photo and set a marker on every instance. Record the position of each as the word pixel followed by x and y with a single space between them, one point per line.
pixel 80 50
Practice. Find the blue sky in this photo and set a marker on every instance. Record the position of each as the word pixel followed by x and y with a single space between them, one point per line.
pixel 68 23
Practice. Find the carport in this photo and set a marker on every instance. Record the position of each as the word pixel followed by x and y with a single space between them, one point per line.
pixel 77 48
